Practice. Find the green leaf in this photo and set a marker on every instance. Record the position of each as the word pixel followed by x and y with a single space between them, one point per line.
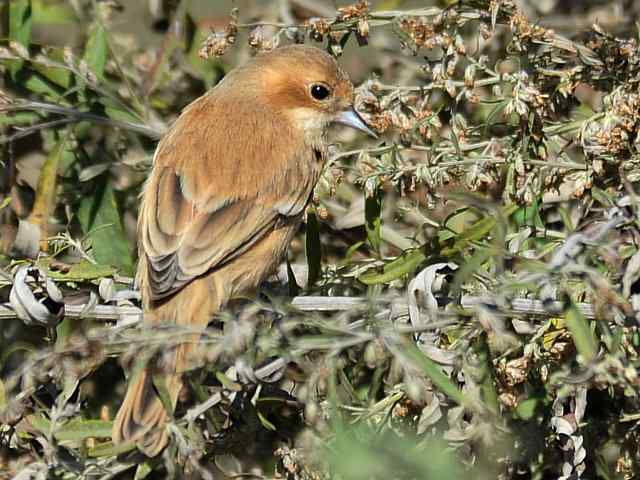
pixel 350 253
pixel 45 200
pixel 108 449
pixel 265 422
pixel 75 430
pixel 478 230
pixel 470 267
pixel 228 383
pixel 5 202
pixel 435 373
pixel 562 128
pixel 160 384
pixel 116 112
pixel 37 83
pixel 529 215
pixel 500 106
pixel 100 220
pixel 96 50
pixel 82 271
pixel 403 265
pixel 484 370
pixel 47 12
pixel 313 248
pixel 566 219
pixel 59 76
pixel 373 222
pixel 19 119
pixel 602 197
pixel 143 470
pixel 583 337
pixel 526 409
pixel 20 22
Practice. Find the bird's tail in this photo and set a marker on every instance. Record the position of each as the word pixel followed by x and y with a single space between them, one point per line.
pixel 142 416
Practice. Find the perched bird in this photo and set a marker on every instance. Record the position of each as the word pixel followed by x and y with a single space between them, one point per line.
pixel 228 189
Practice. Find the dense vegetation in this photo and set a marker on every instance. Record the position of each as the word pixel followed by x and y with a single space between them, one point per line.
pixel 460 303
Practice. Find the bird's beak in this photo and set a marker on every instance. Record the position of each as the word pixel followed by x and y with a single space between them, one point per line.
pixel 352 119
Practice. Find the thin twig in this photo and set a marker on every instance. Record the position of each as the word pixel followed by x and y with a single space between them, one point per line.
pixel 78 116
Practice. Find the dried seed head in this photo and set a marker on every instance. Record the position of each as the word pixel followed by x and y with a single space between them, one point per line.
pixel 357 10
pixel 215 45
pixel 318 28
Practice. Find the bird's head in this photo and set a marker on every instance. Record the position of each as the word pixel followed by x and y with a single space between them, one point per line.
pixel 307 85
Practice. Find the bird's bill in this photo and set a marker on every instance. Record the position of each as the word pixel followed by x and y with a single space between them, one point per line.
pixel 352 119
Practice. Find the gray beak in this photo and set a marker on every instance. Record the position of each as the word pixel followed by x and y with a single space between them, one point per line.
pixel 352 119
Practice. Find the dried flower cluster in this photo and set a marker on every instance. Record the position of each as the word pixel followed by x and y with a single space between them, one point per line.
pixel 525 32
pixel 615 134
pixel 217 43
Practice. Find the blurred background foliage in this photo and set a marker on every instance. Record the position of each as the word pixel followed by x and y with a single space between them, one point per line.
pixel 460 302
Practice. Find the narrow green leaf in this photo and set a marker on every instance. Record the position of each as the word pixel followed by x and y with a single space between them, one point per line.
pixel 265 422
pixel 526 409
pixel 500 106
pixel 82 271
pixel 37 83
pixel 529 215
pixel 160 383
pixel 116 112
pixel 96 50
pixel 565 216
pixel 45 200
pixel 350 252
pixel 47 12
pixel 435 373
pixel 403 265
pixel 562 128
pixel 479 230
pixel 76 430
pixel 228 383
pixel 602 197
pixel 100 219
pixel 313 248
pixel 583 337
pixel 59 76
pixel 19 119
pixel 143 470
pixel 485 377
pixel 108 449
pixel 20 22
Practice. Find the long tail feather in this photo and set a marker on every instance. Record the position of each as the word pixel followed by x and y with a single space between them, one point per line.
pixel 142 416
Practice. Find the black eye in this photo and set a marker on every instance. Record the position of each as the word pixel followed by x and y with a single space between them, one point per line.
pixel 319 91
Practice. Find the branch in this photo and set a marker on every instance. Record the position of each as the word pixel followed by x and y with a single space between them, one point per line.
pixel 76 116
pixel 518 306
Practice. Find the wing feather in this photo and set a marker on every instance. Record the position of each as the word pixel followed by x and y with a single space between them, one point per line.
pixel 206 202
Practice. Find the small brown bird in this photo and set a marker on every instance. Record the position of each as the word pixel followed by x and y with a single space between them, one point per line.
pixel 229 186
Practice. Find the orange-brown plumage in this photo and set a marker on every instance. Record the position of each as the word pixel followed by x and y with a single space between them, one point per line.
pixel 228 189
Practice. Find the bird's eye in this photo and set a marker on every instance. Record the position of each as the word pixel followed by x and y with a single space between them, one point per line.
pixel 319 91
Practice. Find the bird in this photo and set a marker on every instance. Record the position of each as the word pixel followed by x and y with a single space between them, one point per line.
pixel 228 188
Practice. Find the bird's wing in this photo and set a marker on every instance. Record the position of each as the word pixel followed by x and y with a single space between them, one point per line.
pixel 198 213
